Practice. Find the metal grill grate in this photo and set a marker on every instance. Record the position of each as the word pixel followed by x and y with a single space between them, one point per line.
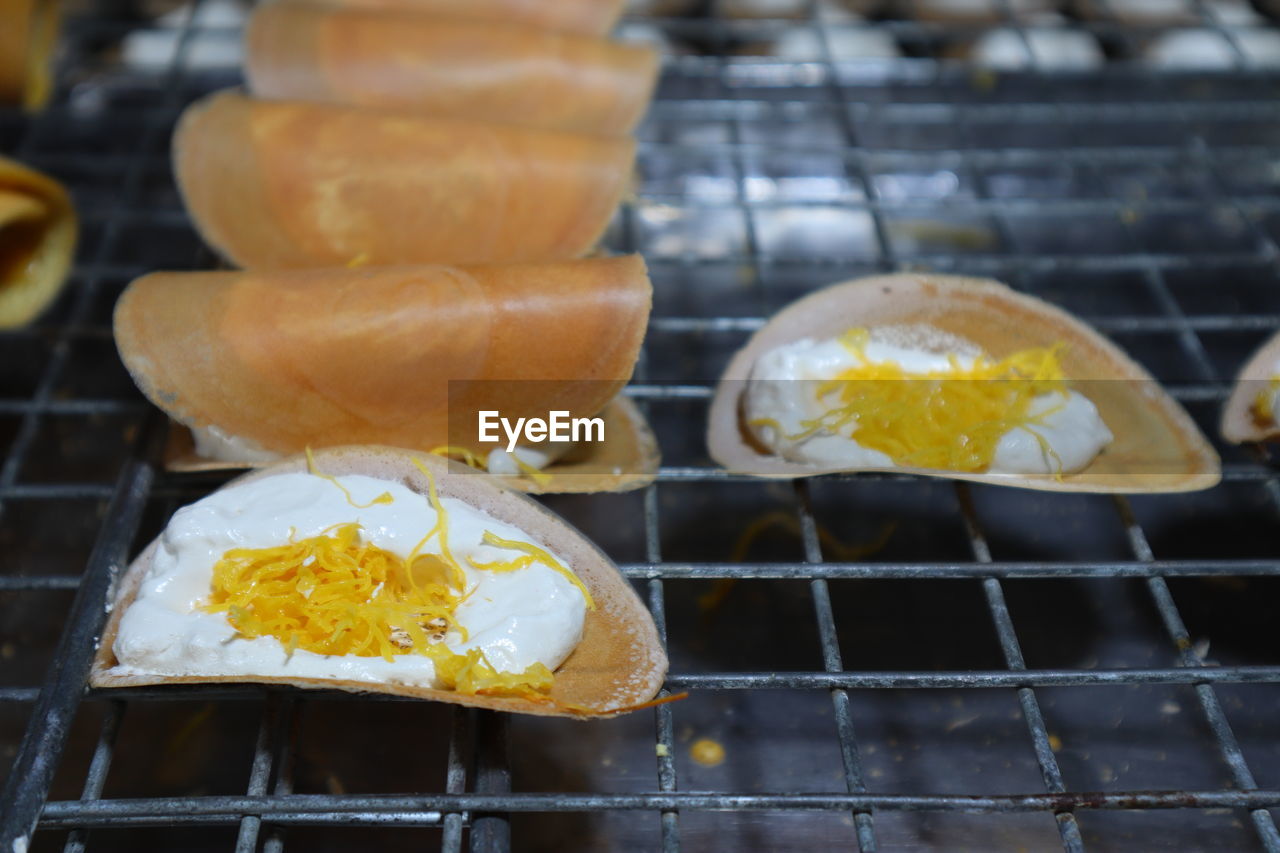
pixel 995 670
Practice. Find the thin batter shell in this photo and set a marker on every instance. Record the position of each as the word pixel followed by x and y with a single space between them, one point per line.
pixel 1157 447
pixel 442 67
pixel 1238 422
pixel 382 355
pixel 626 460
pixel 583 17
pixel 618 665
pixel 38 229
pixel 286 184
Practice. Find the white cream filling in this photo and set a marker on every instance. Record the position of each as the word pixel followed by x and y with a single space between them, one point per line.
pixel 502 462
pixel 800 44
pixel 213 443
pixel 783 389
pixel 1052 47
pixel 1211 50
pixel 531 615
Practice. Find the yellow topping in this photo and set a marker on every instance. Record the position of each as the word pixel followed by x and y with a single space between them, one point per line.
pixel 333 594
pixel 529 471
pixel 707 752
pixel 1262 403
pixel 950 419
pixel 472 673
pixel 384 498
pixel 465 456
pixel 440 530
pixel 534 554
pixel 462 454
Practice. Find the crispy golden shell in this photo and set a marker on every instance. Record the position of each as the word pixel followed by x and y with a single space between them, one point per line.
pixel 28 32
pixel 448 68
pixel 286 184
pixel 38 229
pixel 1238 422
pixel 402 356
pixel 619 663
pixel 1157 447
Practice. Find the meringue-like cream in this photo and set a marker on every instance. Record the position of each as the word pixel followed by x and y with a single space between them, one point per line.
pixel 807 401
pixel 516 607
pixel 513 463
pixel 1266 405
pixel 212 442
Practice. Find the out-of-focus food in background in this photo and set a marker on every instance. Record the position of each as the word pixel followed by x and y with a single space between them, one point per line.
pixel 442 67
pixel 28 34
pixel 37 242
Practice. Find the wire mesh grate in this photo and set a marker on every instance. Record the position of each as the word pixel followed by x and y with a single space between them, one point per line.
pixel 898 664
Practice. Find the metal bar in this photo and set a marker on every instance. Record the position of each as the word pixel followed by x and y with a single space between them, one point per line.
pixel 29 583
pixel 832 663
pixel 287 751
pixel 460 743
pixel 490 828
pixel 773 679
pixel 272 732
pixel 42 745
pixel 1225 738
pixel 664 725
pixel 1068 828
pixel 96 778
pixel 1009 569
pixel 426 809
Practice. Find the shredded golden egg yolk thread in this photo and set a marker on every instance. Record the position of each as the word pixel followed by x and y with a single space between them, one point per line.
pixel 533 554
pixel 1262 403
pixel 334 594
pixel 950 419
pixel 462 454
pixel 384 498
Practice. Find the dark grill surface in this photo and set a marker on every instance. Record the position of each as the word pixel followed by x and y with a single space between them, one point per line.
pixel 902 665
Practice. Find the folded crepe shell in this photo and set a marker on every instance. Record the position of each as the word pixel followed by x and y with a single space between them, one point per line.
pixel 1238 422
pixel 583 17
pixel 37 242
pixel 626 460
pixel 28 32
pixel 440 67
pixel 401 356
pixel 1157 447
pixel 281 184
pixel 618 664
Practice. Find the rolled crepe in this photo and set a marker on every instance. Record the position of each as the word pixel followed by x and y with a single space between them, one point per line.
pixel 280 184
pixel 401 356
pixel 37 242
pixel 443 67
pixel 28 30
pixel 585 17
